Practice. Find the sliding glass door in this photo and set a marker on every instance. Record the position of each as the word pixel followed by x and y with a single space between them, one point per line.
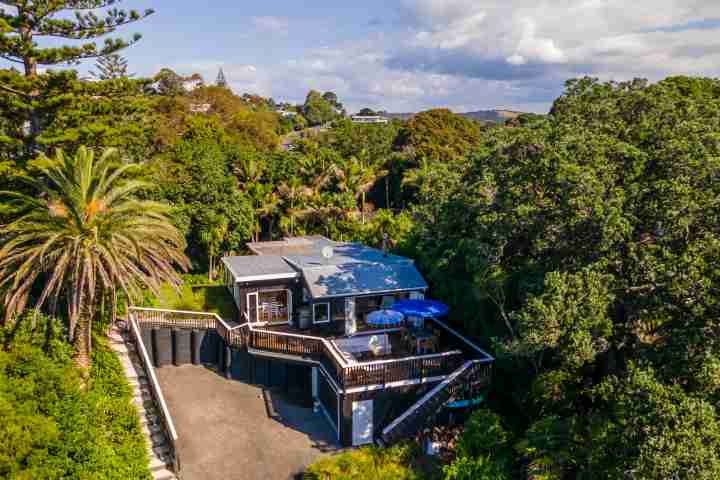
pixel 270 306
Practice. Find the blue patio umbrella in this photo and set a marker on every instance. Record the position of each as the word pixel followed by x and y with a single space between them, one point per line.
pixel 421 308
pixel 385 318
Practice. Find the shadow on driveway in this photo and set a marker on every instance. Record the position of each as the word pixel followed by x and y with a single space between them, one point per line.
pixel 231 430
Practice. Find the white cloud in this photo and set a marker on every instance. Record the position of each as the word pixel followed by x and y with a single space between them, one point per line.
pixel 584 34
pixel 473 54
pixel 271 24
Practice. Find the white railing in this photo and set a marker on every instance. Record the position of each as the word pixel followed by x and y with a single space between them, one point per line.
pixel 429 356
pixel 438 389
pixel 321 351
pixel 156 391
pixel 486 356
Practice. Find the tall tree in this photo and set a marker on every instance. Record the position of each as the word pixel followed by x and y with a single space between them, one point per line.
pixel 111 67
pixel 80 21
pixel 83 235
pixel 220 81
pixel 317 110
pixel 77 20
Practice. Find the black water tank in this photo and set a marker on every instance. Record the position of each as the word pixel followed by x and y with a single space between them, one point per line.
pixel 162 346
pixel 197 339
pixel 146 337
pixel 182 351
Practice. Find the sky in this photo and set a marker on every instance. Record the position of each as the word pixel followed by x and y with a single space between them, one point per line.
pixel 411 55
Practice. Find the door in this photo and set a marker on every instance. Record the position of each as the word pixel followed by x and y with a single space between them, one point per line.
pixel 362 422
pixel 350 319
pixel 252 307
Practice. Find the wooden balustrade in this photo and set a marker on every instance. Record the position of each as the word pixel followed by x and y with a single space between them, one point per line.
pixel 316 349
pixel 159 318
pixel 383 372
pixel 470 376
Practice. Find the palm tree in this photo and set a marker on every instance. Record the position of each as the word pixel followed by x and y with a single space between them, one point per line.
pixel 83 237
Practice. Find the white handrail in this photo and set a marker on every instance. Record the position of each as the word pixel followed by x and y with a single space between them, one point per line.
pixel 151 309
pixel 488 357
pixel 153 379
pixel 407 359
pixel 437 389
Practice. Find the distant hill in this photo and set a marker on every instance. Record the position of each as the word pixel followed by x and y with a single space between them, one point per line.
pixel 496 116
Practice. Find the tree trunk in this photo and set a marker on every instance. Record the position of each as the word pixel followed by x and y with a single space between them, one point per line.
pixel 362 205
pixel 387 191
pixel 83 343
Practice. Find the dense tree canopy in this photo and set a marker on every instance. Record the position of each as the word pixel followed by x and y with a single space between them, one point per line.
pixel 589 243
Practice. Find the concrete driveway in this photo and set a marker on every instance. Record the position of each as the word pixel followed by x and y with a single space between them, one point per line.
pixel 232 430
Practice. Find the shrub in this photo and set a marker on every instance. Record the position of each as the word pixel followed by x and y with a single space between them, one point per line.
pixel 52 429
pixel 368 463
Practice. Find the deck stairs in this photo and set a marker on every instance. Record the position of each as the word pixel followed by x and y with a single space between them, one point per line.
pixel 468 378
pixel 155 436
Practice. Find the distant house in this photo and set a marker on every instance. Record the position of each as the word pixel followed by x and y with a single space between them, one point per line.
pixel 368 119
pixel 286 113
pixel 200 107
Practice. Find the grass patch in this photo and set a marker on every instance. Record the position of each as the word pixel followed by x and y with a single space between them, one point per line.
pixel 196 294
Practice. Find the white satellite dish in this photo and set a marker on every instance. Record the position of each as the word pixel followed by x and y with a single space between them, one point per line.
pixel 327 252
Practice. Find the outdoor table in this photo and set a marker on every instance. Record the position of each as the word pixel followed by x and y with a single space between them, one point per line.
pixel 418 336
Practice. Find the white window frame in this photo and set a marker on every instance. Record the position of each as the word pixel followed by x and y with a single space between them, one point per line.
pixel 247 306
pixel 329 313
pixel 257 305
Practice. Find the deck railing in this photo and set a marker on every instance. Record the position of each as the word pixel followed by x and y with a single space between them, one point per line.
pixel 470 376
pixel 156 392
pixel 397 370
pixel 347 375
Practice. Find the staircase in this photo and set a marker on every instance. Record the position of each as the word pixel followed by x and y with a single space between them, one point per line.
pixel 158 449
pixel 468 378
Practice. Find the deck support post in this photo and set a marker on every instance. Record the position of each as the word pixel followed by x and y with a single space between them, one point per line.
pixel 227 362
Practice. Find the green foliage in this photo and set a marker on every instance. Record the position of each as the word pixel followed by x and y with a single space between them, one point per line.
pixel 70 112
pixel 69 20
pixel 111 67
pixel 52 429
pixel 82 235
pixel 317 110
pixel 583 242
pixel 438 135
pixel 195 176
pixel 367 463
pixel 657 431
pixel 484 450
pixel 195 294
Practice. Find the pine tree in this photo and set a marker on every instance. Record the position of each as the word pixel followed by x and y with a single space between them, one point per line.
pixel 27 22
pixel 111 67
pixel 77 20
pixel 221 82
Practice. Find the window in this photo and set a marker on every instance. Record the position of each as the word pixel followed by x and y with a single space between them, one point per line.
pixel 321 313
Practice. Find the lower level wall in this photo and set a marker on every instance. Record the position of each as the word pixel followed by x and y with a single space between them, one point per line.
pixel 178 347
pixel 388 404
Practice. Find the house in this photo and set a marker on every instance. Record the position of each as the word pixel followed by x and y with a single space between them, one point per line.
pixel 311 297
pixel 200 107
pixel 307 322
pixel 286 113
pixel 308 281
pixel 368 119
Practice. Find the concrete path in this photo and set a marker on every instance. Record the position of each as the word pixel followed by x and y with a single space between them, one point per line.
pixel 158 450
pixel 230 430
